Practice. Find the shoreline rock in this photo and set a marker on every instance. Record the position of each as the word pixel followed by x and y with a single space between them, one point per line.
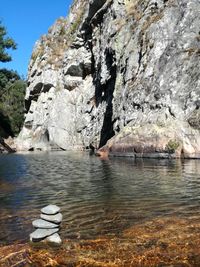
pixel 5 146
pixel 175 139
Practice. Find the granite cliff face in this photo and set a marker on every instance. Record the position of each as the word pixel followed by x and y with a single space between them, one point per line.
pixel 119 75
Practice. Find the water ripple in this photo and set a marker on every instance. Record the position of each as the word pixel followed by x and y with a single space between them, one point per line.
pixel 97 197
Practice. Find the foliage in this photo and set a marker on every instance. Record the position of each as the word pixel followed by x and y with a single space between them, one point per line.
pixel 172 145
pixel 12 103
pixel 5 43
pixel 5 129
pixel 12 91
pixel 7 76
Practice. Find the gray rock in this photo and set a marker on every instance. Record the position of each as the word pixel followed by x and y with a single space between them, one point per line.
pixel 40 234
pixel 57 218
pixel 55 238
pixel 50 210
pixel 44 224
pixel 141 67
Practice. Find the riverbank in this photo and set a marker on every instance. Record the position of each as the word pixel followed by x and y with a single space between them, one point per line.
pixel 165 241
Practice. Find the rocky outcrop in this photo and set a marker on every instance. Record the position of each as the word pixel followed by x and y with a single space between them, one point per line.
pixel 118 75
pixel 6 146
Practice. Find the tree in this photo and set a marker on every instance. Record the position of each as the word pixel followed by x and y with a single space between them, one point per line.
pixel 7 76
pixel 5 43
pixel 12 91
pixel 13 104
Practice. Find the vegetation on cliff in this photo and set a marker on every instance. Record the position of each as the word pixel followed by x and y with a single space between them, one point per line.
pixel 12 91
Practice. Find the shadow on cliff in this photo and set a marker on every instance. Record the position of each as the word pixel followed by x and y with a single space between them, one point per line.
pixel 104 92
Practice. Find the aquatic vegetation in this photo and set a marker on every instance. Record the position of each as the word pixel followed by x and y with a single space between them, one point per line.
pixel 163 241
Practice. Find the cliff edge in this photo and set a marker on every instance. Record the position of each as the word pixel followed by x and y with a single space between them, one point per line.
pixel 120 76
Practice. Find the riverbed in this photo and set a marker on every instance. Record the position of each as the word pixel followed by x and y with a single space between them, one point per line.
pixel 97 197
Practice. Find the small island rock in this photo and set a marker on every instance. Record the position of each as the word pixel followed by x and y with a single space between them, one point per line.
pixel 50 210
pixel 57 218
pixel 40 234
pixel 44 224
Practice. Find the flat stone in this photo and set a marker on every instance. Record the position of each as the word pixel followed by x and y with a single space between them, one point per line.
pixel 41 234
pixel 57 218
pixel 44 224
pixel 50 209
pixel 55 238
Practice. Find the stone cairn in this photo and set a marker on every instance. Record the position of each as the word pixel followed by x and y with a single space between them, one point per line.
pixel 48 226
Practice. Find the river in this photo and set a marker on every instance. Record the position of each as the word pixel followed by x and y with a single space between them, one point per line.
pixel 97 197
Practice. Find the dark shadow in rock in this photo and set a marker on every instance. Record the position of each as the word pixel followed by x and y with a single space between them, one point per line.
pixel 107 95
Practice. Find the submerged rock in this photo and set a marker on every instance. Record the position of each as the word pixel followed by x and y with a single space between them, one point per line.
pixel 40 234
pixel 57 218
pixel 44 224
pixel 50 210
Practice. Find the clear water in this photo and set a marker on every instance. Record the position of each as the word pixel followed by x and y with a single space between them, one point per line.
pixel 97 197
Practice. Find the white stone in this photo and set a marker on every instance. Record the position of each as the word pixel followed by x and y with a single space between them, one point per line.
pixel 40 234
pixel 57 218
pixel 55 238
pixel 50 209
pixel 44 224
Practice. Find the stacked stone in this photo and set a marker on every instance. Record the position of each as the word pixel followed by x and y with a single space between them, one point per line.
pixel 48 226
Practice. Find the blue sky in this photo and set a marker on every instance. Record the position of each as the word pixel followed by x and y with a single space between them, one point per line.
pixel 26 21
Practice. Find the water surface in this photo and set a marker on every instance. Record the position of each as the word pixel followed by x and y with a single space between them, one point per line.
pixel 97 197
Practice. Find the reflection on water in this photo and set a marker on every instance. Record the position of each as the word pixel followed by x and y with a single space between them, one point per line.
pixel 97 197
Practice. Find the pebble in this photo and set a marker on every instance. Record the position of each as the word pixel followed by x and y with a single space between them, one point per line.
pixel 57 218
pixel 44 224
pixel 55 238
pixel 40 234
pixel 50 210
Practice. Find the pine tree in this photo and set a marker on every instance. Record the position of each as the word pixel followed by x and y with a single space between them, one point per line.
pixel 5 43
pixel 12 91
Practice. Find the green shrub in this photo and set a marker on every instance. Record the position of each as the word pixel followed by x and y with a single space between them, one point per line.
pixel 172 145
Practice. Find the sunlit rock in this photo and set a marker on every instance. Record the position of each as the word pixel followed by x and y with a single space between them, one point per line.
pixel 50 210
pixel 57 218
pixel 113 65
pixel 40 234
pixel 44 224
pixel 55 238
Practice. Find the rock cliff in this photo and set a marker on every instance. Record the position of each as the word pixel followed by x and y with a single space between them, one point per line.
pixel 120 76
